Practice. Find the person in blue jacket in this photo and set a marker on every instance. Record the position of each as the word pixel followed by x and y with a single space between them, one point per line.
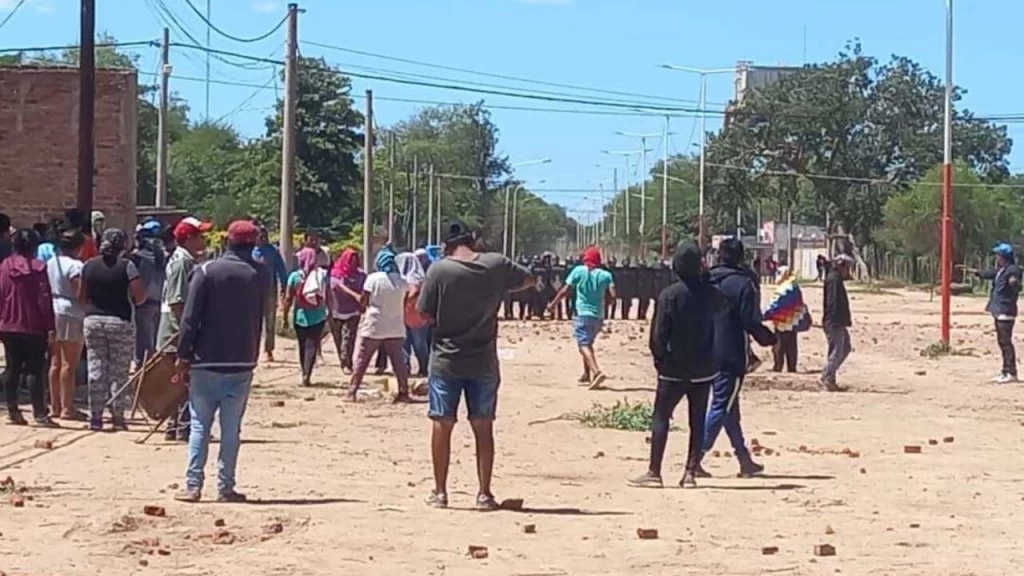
pixel 1002 305
pixel 732 326
pixel 277 272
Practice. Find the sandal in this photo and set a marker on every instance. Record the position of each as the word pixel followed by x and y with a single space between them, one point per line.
pixel 486 503
pixel 437 500
pixel 46 422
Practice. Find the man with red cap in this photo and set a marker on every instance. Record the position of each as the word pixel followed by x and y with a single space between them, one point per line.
pixel 590 282
pixel 189 235
pixel 217 353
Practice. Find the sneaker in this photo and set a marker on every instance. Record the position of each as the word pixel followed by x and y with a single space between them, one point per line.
pixel 231 497
pixel 700 472
pixel 829 386
pixel 119 425
pixel 648 480
pixel 753 363
pixel 1006 379
pixel 96 424
pixel 46 422
pixel 190 495
pixel 170 435
pixel 437 500
pixel 15 418
pixel 689 480
pixel 749 469
pixel 598 380
pixel 486 503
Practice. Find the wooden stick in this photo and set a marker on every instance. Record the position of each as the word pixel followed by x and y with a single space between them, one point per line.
pixel 152 431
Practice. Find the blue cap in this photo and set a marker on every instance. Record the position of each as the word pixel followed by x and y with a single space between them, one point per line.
pixel 1003 249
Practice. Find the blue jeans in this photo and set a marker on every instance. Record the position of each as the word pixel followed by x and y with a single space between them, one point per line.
pixel 210 392
pixel 725 413
pixel 417 343
pixel 481 397
pixel 585 330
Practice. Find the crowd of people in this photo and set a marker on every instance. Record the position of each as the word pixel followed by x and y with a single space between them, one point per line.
pixel 123 300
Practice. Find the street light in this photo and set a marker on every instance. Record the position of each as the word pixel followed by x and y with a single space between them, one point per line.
pixel 626 154
pixel 664 184
pixel 703 131
pixel 504 242
pixel 515 213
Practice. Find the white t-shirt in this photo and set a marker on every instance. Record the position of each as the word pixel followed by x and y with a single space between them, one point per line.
pixel 61 270
pixel 383 317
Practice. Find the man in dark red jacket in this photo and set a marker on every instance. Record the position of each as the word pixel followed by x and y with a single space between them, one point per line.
pixel 26 323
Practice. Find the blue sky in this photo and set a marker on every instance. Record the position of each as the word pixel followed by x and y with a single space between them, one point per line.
pixel 606 44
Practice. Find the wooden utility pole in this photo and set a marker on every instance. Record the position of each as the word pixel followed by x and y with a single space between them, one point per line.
pixel 86 110
pixel 161 150
pixel 368 182
pixel 415 199
pixel 391 188
pixel 287 214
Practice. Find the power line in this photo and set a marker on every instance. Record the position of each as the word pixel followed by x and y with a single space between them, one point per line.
pixel 231 37
pixel 12 13
pixel 499 76
pixel 250 98
pixel 149 43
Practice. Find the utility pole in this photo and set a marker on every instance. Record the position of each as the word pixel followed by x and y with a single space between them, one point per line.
pixel 415 199
pixel 664 194
pixel 161 150
pixel 430 204
pixel 208 27
pixel 86 111
pixel 391 188
pixel 643 194
pixel 288 137
pixel 947 184
pixel 515 215
pixel 368 181
pixel 615 202
pixel 437 221
pixel 504 239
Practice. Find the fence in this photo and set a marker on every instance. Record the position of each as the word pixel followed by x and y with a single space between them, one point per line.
pixel 906 269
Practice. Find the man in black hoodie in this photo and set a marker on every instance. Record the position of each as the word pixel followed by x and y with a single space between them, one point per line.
pixel 682 344
pixel 837 320
pixel 732 326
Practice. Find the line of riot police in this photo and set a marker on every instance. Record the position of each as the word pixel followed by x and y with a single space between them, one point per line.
pixel 636 282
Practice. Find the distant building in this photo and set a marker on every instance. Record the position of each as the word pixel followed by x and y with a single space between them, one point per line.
pixel 750 77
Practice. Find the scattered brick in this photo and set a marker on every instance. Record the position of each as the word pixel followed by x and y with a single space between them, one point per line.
pixel 647 533
pixel 824 550
pixel 44 444
pixel 277 404
pixel 530 529
pixel 911 449
pixel 769 550
pixel 920 373
pixel 309 399
pixel 915 525
pixel 163 551
pixel 948 439
pixel 273 528
pixel 863 470
pixel 768 451
pixel 829 531
pixel 143 562
pixel 157 511
pixel 933 442
pixel 17 501
pixel 600 454
pixel 224 538
pixel 478 552
pixel 219 523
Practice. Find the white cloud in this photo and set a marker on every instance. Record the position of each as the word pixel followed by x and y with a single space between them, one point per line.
pixel 266 6
pixel 40 6
pixel 45 6
pixel 548 2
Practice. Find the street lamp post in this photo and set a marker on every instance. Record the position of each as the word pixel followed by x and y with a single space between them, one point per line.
pixel 947 183
pixel 703 131
pixel 514 190
pixel 626 154
pixel 515 214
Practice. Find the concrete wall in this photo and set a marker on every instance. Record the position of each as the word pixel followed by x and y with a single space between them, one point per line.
pixel 39 143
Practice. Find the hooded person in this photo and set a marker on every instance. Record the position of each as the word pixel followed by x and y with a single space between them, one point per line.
pixel 790 316
pixel 382 325
pixel 346 291
pixel 1002 305
pixel 836 320
pixel 417 326
pixel 26 320
pixel 733 325
pixel 151 262
pixel 591 284
pixel 682 343
pixel 307 290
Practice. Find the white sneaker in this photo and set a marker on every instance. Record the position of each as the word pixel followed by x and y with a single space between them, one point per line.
pixel 1006 379
pixel 997 378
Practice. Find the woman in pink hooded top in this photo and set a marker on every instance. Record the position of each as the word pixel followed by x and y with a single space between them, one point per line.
pixel 26 323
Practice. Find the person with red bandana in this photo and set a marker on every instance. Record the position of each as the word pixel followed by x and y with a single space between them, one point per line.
pixel 591 283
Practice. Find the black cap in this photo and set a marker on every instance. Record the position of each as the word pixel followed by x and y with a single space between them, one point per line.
pixel 458 233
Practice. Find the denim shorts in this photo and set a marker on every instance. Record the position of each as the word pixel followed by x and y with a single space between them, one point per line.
pixel 585 329
pixel 481 397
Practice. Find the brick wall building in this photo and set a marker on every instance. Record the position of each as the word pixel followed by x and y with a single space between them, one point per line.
pixel 39 143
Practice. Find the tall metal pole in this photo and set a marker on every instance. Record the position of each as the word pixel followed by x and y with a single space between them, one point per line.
pixel 368 181
pixel 947 182
pixel 391 188
pixel 437 220
pixel 664 194
pixel 626 228
pixel 703 137
pixel 515 217
pixel 288 136
pixel 415 199
pixel 86 111
pixel 615 201
pixel 430 204
pixel 161 149
pixel 504 239
pixel 643 195
pixel 208 27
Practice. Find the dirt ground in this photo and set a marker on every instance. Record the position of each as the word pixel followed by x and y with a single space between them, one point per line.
pixel 339 488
